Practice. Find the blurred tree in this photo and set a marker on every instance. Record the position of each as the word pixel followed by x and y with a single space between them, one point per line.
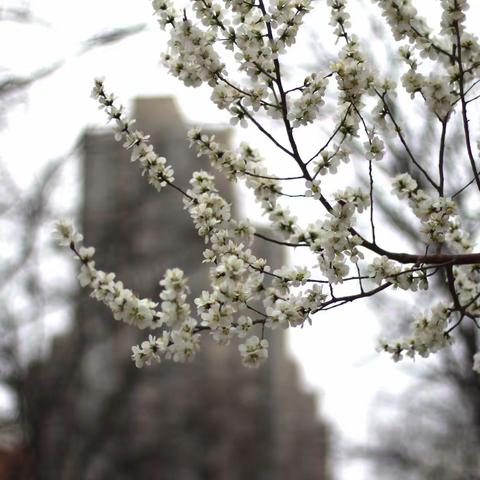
pixel 26 216
pixel 432 430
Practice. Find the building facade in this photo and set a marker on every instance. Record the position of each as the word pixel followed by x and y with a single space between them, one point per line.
pixel 212 419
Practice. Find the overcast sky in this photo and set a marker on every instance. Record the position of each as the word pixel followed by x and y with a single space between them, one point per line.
pixel 337 353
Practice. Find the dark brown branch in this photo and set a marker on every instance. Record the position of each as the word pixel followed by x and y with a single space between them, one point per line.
pixel 280 242
pixel 437 259
pixel 264 131
pixel 466 128
pixel 402 139
pixel 441 157
pixel 350 298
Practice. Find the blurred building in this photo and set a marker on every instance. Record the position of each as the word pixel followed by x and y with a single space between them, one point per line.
pixel 97 416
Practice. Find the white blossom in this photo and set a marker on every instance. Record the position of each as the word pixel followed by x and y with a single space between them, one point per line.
pixel 254 351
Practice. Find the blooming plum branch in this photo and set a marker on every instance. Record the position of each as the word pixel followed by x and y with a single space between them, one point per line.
pixel 238 48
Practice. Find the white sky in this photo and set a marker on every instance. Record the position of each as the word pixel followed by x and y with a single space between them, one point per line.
pixel 336 354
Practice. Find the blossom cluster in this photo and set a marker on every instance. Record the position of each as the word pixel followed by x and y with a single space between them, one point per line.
pixel 304 110
pixel 123 303
pixel 437 215
pixel 405 278
pixel 154 167
pixel 256 34
pixel 429 335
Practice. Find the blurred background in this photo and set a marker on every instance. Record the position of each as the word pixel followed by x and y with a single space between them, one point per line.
pixel 72 405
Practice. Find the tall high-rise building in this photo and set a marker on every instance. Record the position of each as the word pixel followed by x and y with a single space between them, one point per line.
pixel 212 419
